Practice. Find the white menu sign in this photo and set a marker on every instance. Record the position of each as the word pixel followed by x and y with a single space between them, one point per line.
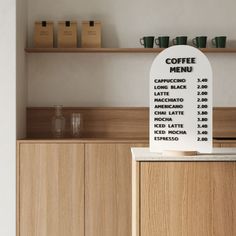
pixel 181 101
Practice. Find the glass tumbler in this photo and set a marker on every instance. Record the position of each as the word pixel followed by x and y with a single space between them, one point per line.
pixel 75 124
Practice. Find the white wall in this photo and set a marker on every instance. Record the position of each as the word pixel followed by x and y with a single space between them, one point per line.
pixel 7 118
pixel 21 77
pixel 122 79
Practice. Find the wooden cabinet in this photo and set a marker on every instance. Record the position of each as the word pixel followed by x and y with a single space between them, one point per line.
pixel 119 50
pixel 184 198
pixel 83 188
pixel 74 189
pixel 51 190
pixel 108 189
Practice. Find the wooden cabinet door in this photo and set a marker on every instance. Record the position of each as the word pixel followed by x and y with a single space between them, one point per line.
pixel 51 201
pixel 108 189
pixel 188 199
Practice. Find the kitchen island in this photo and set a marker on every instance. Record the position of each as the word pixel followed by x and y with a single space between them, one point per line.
pixel 184 196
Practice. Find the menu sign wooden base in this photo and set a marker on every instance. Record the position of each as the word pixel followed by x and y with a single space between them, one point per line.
pixel 179 153
pixel 181 101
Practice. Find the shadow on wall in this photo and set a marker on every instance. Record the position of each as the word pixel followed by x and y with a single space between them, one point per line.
pixel 231 43
pixel 109 31
pixel 109 36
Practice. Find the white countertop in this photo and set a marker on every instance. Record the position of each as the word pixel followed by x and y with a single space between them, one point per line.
pixel 219 154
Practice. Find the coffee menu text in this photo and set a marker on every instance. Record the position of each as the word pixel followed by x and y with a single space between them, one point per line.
pixel 180 101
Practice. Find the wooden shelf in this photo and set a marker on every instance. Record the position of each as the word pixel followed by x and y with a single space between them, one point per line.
pixel 218 50
pixel 93 50
pixel 118 50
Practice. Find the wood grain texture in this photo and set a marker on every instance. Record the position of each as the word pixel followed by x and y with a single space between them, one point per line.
pixel 98 122
pixel 108 189
pixel 224 122
pixel 93 50
pixel 84 141
pixel 217 143
pixel 183 199
pixel 228 143
pixel 135 198
pixel 126 122
pixel 119 50
pixel 100 190
pixel 51 189
pixel 18 189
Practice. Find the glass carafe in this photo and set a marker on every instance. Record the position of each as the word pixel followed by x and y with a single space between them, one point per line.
pixel 58 123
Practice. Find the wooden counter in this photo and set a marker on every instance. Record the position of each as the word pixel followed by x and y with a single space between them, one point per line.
pixel 184 198
pixel 87 178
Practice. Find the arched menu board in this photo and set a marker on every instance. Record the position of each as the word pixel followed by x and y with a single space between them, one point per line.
pixel 181 101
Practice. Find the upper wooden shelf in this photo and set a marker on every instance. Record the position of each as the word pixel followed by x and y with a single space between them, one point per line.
pixel 118 50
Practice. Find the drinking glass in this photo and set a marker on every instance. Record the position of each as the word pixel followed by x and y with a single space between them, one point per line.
pixel 75 124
